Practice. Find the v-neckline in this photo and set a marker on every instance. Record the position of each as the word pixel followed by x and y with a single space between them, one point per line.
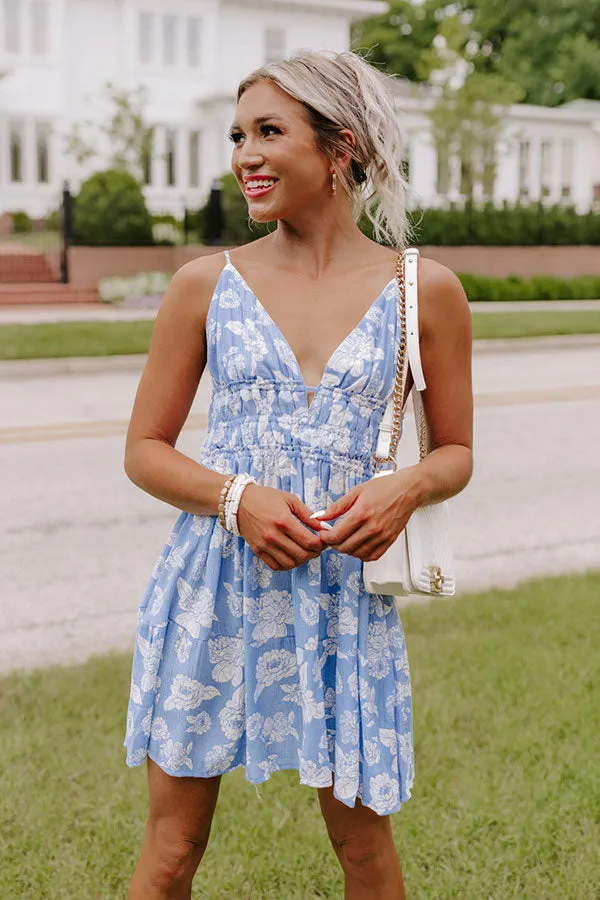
pixel 287 343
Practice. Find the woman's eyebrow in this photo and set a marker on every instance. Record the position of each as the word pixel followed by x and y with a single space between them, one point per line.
pixel 259 120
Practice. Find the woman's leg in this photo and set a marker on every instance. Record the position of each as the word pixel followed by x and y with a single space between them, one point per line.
pixel 364 845
pixel 177 831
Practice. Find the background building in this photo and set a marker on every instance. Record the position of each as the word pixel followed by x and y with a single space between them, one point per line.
pixel 56 56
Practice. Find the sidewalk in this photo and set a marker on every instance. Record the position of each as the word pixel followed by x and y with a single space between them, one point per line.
pixel 105 312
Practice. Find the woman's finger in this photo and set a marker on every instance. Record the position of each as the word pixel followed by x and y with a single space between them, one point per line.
pixel 356 542
pixel 343 530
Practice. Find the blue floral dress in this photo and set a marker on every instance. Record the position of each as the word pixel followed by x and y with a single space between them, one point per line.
pixel 239 665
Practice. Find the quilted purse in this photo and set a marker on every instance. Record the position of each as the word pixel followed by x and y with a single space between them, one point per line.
pixel 420 560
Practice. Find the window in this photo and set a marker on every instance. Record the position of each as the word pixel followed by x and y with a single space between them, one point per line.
pixel 545 169
pixel 145 37
pixel 194 159
pixel 274 45
pixel 524 149
pixel 12 26
pixel 170 149
pixel 193 42
pixel 39 27
pixel 15 132
pixel 169 35
pixel 566 168
pixel 42 142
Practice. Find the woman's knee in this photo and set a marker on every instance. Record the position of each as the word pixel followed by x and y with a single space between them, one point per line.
pixel 172 857
pixel 363 859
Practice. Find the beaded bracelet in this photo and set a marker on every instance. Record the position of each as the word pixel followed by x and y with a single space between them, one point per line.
pixel 222 499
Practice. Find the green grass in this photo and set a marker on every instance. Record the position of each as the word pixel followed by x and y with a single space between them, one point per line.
pixel 38 240
pixel 535 324
pixel 507 796
pixel 110 338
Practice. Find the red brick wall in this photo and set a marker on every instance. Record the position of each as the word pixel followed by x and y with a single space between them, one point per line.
pixel 88 264
pixel 498 262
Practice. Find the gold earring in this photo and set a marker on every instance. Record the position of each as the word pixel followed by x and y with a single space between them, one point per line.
pixel 334 182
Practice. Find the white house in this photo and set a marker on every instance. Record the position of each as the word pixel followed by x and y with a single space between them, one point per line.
pixel 56 56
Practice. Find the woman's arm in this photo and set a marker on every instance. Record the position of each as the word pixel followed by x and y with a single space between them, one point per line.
pixel 167 388
pixel 374 512
pixel 445 341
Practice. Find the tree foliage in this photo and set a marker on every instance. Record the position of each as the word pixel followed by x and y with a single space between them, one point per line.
pixel 550 48
pixel 123 134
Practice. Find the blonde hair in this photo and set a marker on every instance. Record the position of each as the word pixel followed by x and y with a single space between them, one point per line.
pixel 342 90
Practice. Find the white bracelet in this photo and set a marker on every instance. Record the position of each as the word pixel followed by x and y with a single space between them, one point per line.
pixel 230 503
pixel 241 483
pixel 233 501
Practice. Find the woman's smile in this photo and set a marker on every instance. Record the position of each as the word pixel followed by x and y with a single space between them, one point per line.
pixel 258 186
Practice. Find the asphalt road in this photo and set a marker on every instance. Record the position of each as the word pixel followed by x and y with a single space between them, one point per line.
pixel 79 540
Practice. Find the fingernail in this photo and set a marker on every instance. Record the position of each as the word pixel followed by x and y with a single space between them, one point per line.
pixel 326 525
pixel 319 512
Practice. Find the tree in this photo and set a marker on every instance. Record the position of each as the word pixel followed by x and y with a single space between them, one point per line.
pixel 550 48
pixel 124 134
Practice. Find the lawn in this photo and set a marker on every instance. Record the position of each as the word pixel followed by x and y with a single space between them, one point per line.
pixel 507 796
pixel 110 338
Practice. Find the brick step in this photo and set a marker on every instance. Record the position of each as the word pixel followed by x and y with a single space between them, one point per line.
pixel 24 268
pixel 23 294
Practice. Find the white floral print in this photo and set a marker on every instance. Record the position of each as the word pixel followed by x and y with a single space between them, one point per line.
pixel 187 693
pixel 236 664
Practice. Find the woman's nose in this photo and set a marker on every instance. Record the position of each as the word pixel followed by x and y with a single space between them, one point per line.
pixel 250 155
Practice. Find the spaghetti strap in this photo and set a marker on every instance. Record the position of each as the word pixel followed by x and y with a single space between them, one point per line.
pixel 226 252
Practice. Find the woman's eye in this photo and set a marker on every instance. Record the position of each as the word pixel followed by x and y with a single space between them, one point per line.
pixel 270 128
pixel 235 136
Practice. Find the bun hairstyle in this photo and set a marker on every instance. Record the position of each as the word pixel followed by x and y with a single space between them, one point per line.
pixel 342 90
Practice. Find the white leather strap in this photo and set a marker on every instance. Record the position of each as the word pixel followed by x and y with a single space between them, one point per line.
pixel 384 435
pixel 411 263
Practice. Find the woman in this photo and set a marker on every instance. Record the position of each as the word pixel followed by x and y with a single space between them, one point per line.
pixel 262 648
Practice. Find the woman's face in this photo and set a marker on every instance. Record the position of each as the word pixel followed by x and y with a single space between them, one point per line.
pixel 275 159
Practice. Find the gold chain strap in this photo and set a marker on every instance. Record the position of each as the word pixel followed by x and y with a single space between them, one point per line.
pixel 400 381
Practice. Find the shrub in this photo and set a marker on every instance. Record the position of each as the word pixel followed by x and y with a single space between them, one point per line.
pixel 54 220
pixel 22 223
pixel 110 211
pixel 489 225
pixel 236 228
pixel 118 287
pixel 541 287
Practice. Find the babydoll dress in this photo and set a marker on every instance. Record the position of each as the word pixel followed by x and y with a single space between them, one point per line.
pixel 239 665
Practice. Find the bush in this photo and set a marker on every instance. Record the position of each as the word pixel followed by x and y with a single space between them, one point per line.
pixel 489 225
pixel 110 211
pixel 114 288
pixel 236 228
pixel 22 223
pixel 54 220
pixel 541 287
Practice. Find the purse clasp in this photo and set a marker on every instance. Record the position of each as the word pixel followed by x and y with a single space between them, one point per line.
pixel 436 579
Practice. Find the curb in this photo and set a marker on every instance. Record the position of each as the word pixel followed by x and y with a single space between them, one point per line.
pixel 93 365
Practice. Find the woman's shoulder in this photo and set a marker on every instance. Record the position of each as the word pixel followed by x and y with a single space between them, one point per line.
pixel 192 288
pixel 442 298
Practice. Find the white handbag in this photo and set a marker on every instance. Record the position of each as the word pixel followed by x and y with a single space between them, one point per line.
pixel 420 560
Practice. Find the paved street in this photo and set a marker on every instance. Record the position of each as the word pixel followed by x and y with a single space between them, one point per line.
pixel 80 540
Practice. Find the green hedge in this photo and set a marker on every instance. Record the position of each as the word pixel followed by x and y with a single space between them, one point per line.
pixel 541 287
pixel 524 225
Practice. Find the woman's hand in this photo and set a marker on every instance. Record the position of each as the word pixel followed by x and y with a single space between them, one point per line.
pixel 374 514
pixel 270 521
